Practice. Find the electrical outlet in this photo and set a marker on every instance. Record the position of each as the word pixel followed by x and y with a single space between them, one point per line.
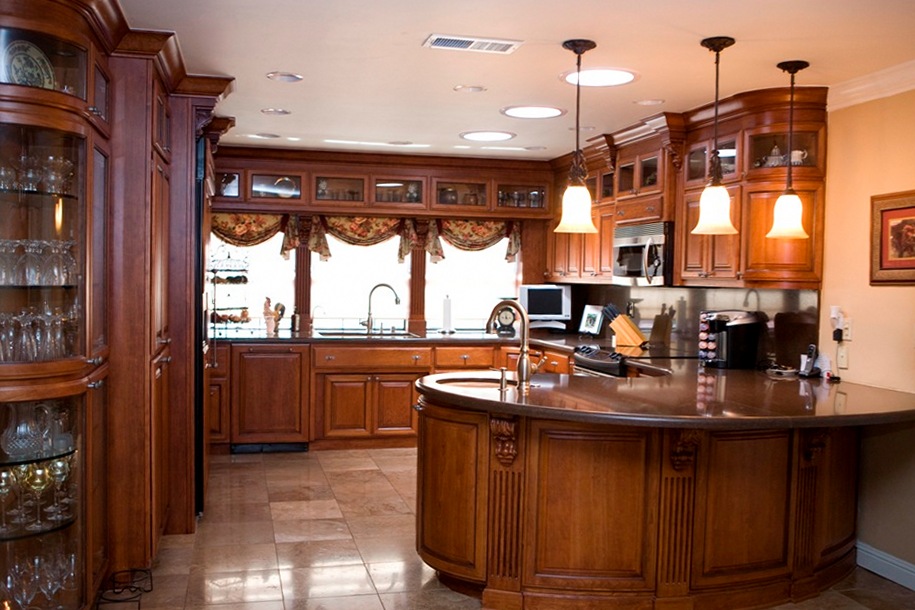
pixel 842 356
pixel 846 329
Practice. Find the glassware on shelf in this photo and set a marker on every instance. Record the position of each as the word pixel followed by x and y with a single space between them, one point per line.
pixel 37 481
pixel 29 173
pixel 25 435
pixel 59 470
pixel 57 174
pixel 7 483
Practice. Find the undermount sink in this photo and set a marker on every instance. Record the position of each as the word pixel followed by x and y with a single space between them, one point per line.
pixel 357 334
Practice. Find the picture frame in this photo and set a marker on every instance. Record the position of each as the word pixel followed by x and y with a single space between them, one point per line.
pixel 591 319
pixel 893 238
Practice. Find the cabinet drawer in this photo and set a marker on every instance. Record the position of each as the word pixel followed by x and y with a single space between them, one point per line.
pixel 555 363
pixel 218 360
pixel 372 357
pixel 463 357
pixel 639 211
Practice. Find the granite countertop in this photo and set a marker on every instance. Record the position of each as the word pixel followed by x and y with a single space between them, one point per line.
pixel 692 397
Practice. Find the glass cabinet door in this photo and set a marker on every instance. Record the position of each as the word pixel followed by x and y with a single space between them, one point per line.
pixel 41 473
pixel 36 60
pixel 42 245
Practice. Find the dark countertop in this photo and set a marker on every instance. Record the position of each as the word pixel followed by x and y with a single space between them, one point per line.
pixel 692 397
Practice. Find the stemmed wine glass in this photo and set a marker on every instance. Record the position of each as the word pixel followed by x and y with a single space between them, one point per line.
pixel 7 482
pixel 59 470
pixel 37 481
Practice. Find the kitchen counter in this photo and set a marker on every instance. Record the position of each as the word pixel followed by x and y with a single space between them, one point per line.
pixel 702 489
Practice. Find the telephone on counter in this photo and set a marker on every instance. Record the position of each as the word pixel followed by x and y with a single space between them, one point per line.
pixel 807 366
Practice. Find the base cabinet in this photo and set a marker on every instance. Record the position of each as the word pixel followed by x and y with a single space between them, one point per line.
pixel 368 406
pixel 543 513
pixel 269 394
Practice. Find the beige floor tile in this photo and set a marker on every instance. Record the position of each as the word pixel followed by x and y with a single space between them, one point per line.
pixel 331 581
pixel 400 576
pixel 168 591
pixel 234 533
pixel 173 561
pixel 271 605
pixel 359 505
pixel 387 549
pixel 317 553
pixel 433 599
pixel 351 602
pixel 234 586
pixel 226 512
pixel 236 558
pixel 383 526
pixel 303 530
pixel 310 509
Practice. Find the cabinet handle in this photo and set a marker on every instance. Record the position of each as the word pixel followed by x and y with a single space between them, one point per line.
pixel 620 213
pixel 167 359
pixel 163 341
pixel 329 358
pixel 740 275
pixel 95 361
pixel 95 384
pixel 94 110
pixel 417 407
pixel 553 363
pixel 650 208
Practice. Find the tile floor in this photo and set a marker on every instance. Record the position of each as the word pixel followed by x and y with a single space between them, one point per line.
pixel 334 530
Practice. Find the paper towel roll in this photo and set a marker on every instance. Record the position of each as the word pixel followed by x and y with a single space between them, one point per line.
pixel 446 315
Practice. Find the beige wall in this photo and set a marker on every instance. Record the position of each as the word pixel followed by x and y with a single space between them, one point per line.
pixel 871 151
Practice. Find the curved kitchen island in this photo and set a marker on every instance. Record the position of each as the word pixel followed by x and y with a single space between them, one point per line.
pixel 702 489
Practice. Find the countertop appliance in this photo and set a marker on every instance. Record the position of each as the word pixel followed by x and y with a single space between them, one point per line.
pixel 594 361
pixel 730 339
pixel 643 254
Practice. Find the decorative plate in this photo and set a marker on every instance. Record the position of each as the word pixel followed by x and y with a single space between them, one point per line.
pixel 27 65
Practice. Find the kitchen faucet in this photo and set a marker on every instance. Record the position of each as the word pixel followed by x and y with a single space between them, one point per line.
pixel 525 369
pixel 369 321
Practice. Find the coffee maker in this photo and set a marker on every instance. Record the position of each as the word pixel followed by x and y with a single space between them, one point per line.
pixel 730 339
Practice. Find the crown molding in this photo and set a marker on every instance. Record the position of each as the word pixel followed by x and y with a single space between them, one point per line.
pixel 885 83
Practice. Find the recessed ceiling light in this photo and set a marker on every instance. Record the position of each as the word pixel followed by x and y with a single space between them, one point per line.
pixel 599 77
pixel 513 148
pixel 362 143
pixel 285 77
pixel 532 112
pixel 276 111
pixel 487 136
pixel 470 88
pixel 264 136
pixel 650 102
pixel 294 139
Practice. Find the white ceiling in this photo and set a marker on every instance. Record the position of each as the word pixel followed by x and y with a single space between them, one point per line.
pixel 367 78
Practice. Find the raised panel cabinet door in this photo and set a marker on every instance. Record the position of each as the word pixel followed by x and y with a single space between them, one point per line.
pixel 347 406
pixel 610 475
pixel 590 250
pixel 217 415
pixel 97 484
pixel 715 258
pixel 394 398
pixel 452 474
pixel 159 436
pixel 269 390
pixel 159 246
pixel 785 260
pixel 606 226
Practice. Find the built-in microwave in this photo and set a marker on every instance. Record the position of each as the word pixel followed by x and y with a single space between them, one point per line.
pixel 643 254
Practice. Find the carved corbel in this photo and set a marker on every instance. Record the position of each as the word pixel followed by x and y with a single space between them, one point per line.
pixel 814 444
pixel 504 433
pixel 683 449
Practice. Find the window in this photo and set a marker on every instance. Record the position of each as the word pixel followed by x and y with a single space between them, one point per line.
pixel 474 283
pixel 340 286
pixel 243 277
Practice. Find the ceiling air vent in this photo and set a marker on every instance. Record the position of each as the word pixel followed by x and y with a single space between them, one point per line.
pixel 471 43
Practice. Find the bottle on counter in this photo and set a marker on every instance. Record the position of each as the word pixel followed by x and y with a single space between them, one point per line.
pixel 296 320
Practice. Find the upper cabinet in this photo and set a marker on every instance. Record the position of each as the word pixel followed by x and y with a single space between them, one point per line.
pixel 754 157
pixel 308 182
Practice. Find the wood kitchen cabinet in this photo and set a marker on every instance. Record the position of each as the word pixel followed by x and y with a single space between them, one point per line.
pixel 368 406
pixel 218 393
pixel 463 358
pixel 755 176
pixel 269 393
pixel 159 461
pixel 551 361
pixel 366 393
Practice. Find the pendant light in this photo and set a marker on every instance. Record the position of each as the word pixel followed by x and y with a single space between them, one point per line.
pixel 576 201
pixel 786 221
pixel 715 201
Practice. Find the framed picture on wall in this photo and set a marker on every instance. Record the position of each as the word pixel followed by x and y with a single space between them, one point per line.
pixel 893 238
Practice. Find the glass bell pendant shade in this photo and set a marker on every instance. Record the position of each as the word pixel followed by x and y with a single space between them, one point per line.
pixel 786 223
pixel 576 211
pixel 714 212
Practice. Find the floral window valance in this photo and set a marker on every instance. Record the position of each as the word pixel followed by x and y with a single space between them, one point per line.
pixel 311 231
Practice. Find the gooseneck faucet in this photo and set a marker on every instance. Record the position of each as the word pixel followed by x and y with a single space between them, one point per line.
pixel 369 321
pixel 525 368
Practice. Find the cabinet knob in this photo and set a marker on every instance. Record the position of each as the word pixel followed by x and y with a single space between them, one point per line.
pixel 649 208
pixel 167 359
pixel 95 384
pixel 163 340
pixel 329 358
pixel 465 357
pixel 620 213
pixel 94 110
pixel 416 357
pixel 417 407
pixel 95 361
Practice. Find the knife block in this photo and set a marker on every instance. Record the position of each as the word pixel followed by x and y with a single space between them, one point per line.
pixel 627 333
